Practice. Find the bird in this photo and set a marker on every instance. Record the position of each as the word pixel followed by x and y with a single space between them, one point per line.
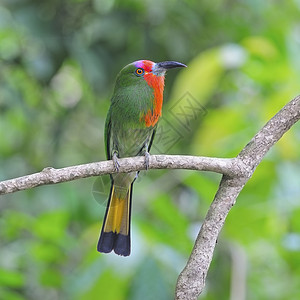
pixel 130 126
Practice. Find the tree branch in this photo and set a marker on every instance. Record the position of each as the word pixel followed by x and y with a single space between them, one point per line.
pixel 236 172
pixel 191 281
pixel 228 166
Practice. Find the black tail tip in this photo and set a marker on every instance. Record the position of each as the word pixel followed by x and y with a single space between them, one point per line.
pixel 118 242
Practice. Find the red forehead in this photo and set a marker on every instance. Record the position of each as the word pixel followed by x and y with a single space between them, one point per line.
pixel 147 65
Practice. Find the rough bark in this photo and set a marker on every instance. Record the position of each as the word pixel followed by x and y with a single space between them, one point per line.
pixel 49 175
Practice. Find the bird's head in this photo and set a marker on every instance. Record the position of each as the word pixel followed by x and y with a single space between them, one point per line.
pixel 145 71
pixel 145 77
pixel 146 67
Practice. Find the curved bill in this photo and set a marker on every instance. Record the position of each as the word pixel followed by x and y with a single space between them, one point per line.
pixel 169 65
pixel 161 67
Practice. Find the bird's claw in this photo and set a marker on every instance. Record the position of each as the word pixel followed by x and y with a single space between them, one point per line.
pixel 147 160
pixel 116 162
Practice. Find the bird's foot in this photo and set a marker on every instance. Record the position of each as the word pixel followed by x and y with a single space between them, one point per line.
pixel 147 160
pixel 116 162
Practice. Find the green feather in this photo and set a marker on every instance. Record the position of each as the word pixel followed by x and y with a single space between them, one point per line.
pixel 126 132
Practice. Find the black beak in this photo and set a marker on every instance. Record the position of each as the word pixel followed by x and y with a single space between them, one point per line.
pixel 169 65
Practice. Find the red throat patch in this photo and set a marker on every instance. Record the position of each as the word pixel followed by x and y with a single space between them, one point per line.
pixel 157 83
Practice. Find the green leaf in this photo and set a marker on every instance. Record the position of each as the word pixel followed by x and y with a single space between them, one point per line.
pixel 51 278
pixel 10 295
pixel 170 226
pixel 46 252
pixel 11 278
pixel 51 225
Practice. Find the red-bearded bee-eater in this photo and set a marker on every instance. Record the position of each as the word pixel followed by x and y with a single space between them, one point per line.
pixel 130 127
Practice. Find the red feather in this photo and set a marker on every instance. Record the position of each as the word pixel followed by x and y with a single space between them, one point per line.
pixel 157 83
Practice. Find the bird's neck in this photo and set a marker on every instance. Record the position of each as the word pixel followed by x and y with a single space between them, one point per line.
pixel 157 84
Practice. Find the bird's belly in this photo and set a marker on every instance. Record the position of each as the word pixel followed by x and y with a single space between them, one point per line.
pixel 132 142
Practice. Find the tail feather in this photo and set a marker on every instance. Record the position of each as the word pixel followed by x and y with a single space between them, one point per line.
pixel 115 233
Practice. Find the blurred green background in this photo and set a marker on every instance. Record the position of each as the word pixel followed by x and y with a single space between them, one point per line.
pixel 58 63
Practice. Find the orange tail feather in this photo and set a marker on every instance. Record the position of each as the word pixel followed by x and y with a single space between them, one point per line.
pixel 115 233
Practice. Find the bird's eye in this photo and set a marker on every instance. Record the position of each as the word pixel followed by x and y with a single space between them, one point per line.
pixel 139 72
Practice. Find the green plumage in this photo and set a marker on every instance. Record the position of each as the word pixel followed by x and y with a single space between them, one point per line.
pixel 129 131
pixel 126 135
pixel 125 131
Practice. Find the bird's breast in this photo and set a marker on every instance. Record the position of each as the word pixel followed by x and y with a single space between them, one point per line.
pixel 152 115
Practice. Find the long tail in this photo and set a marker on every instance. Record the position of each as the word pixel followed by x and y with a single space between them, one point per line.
pixel 115 233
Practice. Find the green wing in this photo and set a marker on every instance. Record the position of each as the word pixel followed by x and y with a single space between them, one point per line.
pixel 152 138
pixel 107 134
